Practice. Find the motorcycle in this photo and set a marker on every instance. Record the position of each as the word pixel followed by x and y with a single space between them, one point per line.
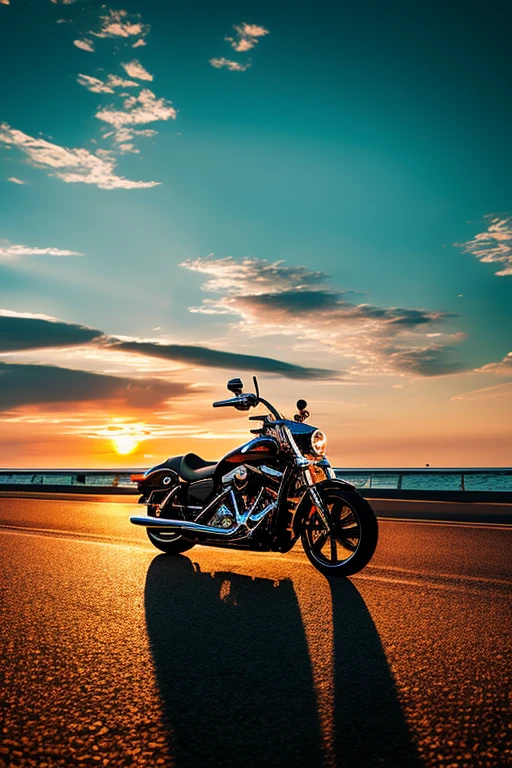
pixel 262 496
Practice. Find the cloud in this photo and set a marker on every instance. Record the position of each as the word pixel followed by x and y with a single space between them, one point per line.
pixel 269 298
pixel 139 43
pixel 95 85
pixel 139 110
pixel 135 69
pixel 29 384
pixel 14 180
pixel 121 24
pixel 5 2
pixel 430 360
pixel 70 165
pixel 246 37
pixel 233 66
pixel 10 252
pixel 252 275
pixel 497 391
pixel 203 356
pixel 22 331
pixel 63 2
pixel 494 245
pixel 503 368
pixel 84 45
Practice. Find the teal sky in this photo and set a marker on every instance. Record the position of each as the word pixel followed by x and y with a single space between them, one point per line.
pixel 364 140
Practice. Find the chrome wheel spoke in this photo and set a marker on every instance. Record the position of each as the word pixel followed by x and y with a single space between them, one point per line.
pixel 320 541
pixel 335 545
pixel 334 549
pixel 347 520
pixel 350 545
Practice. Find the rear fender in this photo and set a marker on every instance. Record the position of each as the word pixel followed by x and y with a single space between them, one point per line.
pixel 157 480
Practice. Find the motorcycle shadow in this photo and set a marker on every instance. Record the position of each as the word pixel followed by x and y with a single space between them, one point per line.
pixel 234 673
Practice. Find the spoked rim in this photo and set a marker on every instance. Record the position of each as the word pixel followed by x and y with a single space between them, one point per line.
pixel 337 546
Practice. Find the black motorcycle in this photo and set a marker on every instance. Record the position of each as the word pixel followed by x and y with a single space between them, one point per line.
pixel 262 496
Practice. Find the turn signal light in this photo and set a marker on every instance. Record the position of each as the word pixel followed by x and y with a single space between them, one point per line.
pixel 137 478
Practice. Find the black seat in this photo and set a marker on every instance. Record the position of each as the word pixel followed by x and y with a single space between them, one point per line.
pixel 193 468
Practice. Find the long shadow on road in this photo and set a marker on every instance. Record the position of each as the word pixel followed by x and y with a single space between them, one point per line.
pixel 234 673
pixel 370 728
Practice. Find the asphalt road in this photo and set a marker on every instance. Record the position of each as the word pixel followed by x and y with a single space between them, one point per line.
pixel 114 655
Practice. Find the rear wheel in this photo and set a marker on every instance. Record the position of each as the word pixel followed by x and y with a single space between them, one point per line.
pixel 349 543
pixel 166 540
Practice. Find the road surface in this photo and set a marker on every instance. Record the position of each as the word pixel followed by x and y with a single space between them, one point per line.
pixel 115 655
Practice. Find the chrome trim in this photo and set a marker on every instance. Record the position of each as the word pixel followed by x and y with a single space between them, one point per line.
pixel 213 503
pixel 186 525
pixel 160 522
pixel 270 471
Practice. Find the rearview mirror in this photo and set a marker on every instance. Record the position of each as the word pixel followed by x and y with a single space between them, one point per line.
pixel 236 386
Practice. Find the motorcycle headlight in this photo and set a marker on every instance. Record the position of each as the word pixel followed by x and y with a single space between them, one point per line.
pixel 319 442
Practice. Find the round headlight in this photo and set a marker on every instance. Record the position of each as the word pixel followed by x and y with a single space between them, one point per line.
pixel 319 442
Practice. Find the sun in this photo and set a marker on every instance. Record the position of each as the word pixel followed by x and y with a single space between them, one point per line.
pixel 125 444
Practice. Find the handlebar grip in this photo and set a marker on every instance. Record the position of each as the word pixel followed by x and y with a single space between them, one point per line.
pixel 223 403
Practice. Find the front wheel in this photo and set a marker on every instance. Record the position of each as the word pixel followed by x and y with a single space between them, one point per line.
pixel 349 543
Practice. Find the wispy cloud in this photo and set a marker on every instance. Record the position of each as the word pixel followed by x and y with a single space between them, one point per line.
pixel 246 37
pixel 30 384
pixel 121 24
pixel 498 391
pixel 7 2
pixel 503 368
pixel 139 110
pixel 63 2
pixel 135 69
pixel 270 298
pixel 252 275
pixel 10 252
pixel 21 332
pixel 214 358
pixel 77 166
pixel 84 45
pixel 494 245
pixel 95 85
pixel 139 43
pixel 14 180
pixel 233 66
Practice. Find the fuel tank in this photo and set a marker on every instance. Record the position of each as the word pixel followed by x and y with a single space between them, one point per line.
pixel 258 448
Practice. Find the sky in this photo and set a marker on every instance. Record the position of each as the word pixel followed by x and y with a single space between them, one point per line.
pixel 318 194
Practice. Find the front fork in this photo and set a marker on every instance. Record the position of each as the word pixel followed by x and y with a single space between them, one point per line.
pixel 317 500
pixel 313 493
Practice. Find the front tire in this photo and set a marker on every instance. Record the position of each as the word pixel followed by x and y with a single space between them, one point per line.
pixel 168 541
pixel 349 545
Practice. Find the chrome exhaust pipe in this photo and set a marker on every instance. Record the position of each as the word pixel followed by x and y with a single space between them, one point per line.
pixel 160 522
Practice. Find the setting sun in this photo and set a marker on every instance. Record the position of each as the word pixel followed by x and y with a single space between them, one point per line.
pixel 125 444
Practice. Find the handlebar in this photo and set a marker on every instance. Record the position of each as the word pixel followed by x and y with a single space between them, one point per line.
pixel 240 402
pixel 246 401
pixel 224 403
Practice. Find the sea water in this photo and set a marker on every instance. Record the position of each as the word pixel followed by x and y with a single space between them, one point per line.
pixel 491 480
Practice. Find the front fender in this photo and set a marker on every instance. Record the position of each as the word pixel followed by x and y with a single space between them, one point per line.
pixel 305 503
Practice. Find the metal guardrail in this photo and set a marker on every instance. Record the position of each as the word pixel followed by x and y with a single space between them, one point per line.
pixel 447 484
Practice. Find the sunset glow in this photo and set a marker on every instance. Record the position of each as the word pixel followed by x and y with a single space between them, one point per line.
pixel 125 444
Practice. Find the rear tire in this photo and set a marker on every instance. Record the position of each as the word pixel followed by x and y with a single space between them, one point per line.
pixel 169 541
pixel 351 542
